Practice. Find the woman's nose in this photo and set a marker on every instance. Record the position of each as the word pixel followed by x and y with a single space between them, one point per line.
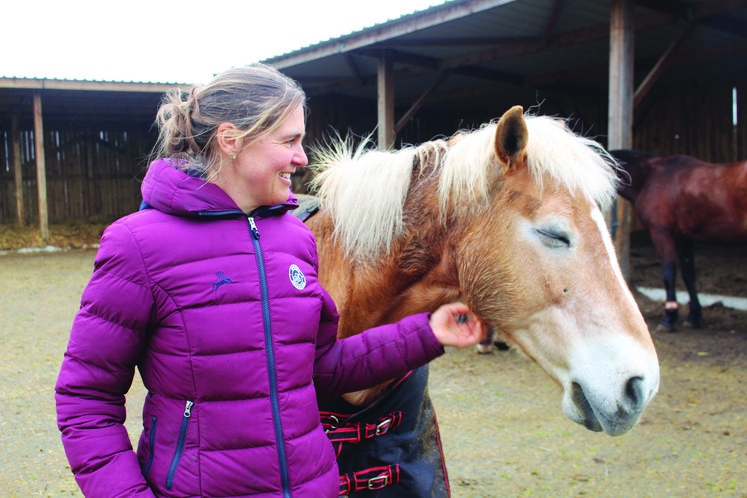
pixel 300 160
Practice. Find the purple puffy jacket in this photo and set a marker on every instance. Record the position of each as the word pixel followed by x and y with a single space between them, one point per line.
pixel 234 339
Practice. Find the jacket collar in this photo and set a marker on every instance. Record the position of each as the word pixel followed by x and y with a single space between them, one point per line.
pixel 174 191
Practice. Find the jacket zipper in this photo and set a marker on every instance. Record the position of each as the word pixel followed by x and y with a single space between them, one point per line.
pixel 270 359
pixel 179 445
pixel 152 440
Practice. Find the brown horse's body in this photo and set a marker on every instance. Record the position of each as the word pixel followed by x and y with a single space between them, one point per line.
pixel 486 219
pixel 681 200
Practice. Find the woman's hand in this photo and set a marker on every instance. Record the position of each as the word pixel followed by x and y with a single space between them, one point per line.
pixel 455 325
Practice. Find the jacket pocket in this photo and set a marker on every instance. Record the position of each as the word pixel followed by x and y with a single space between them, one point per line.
pixel 152 442
pixel 179 445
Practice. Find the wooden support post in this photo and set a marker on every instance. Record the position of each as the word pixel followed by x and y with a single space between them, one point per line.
pixel 386 101
pixel 620 115
pixel 90 207
pixel 41 170
pixel 15 139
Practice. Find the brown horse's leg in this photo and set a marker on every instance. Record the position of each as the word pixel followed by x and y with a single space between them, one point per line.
pixel 665 246
pixel 687 267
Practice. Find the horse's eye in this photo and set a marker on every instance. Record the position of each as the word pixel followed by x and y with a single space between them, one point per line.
pixel 553 239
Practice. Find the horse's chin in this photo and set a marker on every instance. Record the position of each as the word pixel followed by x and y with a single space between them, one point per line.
pixel 580 409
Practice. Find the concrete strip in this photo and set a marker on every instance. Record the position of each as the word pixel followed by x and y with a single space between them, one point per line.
pixel 739 303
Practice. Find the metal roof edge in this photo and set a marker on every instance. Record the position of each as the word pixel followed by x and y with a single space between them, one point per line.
pixel 438 14
pixel 61 84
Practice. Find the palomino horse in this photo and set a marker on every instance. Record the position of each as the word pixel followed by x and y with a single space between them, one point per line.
pixel 681 200
pixel 505 219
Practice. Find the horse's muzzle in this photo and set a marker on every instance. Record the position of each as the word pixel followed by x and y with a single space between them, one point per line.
pixel 598 413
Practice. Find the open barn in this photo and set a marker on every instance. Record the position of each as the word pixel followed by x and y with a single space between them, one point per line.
pixel 666 77
pixel 657 76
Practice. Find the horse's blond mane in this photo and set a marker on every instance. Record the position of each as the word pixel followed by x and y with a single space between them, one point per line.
pixel 365 189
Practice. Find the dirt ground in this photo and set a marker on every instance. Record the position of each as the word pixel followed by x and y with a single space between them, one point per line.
pixel 502 428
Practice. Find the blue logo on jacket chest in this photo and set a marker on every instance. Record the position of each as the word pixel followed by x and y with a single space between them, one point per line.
pixel 221 280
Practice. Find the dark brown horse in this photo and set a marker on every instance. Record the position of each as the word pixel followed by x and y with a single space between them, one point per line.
pixel 681 200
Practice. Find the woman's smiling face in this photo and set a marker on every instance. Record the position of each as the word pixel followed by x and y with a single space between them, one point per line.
pixel 260 174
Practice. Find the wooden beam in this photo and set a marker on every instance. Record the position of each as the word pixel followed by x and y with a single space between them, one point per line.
pixel 15 138
pixel 673 7
pixel 551 22
pixel 353 68
pixel 679 58
pixel 41 170
pixel 456 42
pixel 400 57
pixel 419 103
pixel 661 64
pixel 620 115
pixel 385 101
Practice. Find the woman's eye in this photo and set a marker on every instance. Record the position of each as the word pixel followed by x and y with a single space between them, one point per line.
pixel 553 239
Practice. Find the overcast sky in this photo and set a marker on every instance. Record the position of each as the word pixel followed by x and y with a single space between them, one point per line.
pixel 185 41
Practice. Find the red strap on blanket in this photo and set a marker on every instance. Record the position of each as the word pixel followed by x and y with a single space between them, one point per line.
pixel 338 431
pixel 373 478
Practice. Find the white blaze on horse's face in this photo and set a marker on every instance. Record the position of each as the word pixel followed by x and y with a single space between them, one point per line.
pixel 557 292
pixel 586 330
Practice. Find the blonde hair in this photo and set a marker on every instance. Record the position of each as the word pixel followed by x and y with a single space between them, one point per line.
pixel 256 99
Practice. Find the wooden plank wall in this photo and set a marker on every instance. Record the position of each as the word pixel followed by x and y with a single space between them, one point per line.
pixel 695 121
pixel 91 173
pixel 96 171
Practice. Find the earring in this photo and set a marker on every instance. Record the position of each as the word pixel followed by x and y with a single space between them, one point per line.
pixel 233 157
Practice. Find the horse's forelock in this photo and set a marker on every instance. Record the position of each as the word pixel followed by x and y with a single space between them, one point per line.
pixel 554 151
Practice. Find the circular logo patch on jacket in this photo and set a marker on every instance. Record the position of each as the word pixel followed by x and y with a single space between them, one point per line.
pixel 297 278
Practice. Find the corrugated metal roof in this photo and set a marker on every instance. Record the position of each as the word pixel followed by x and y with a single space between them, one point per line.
pixel 484 43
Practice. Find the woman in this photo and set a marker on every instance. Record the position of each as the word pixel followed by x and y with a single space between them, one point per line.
pixel 211 291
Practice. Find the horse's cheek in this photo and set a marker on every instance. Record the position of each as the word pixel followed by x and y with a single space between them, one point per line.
pixel 487 279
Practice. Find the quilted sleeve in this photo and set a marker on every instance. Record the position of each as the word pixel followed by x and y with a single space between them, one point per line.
pixel 372 357
pixel 106 342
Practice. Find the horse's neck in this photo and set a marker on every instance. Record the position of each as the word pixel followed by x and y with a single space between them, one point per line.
pixel 392 289
pixel 385 292
pixel 638 170
pixel 415 276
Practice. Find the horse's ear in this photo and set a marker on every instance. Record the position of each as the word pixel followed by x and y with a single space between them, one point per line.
pixel 511 137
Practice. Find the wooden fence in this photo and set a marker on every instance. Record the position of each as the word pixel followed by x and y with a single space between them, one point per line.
pixel 91 172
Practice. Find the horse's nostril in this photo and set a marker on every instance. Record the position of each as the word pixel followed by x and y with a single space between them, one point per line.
pixel 634 392
pixel 582 403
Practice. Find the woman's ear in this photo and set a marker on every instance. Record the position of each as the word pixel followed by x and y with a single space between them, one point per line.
pixel 227 137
